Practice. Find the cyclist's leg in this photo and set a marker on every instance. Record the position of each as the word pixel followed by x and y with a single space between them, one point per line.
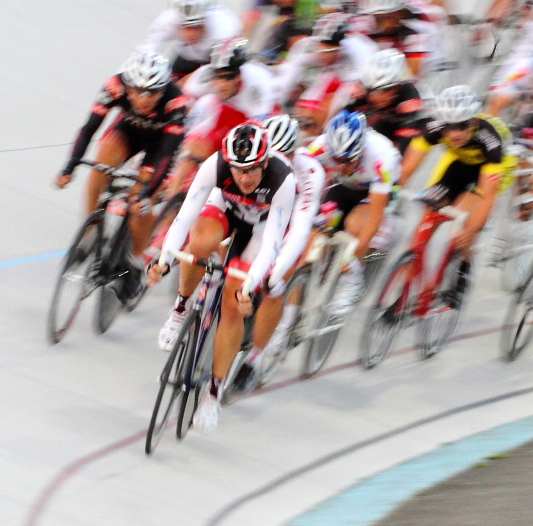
pixel 206 234
pixel 113 149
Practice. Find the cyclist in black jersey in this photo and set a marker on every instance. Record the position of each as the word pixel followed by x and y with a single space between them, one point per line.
pixel 150 120
pixel 391 103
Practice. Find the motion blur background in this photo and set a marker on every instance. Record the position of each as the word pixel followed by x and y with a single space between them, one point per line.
pixel 73 415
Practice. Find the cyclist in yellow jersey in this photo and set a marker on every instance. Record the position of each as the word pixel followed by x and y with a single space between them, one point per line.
pixel 473 169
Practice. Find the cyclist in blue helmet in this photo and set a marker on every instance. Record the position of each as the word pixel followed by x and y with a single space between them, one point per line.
pixel 363 166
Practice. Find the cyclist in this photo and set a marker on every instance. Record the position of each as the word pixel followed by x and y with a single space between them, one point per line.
pixel 195 26
pixel 295 19
pixel 310 179
pixel 406 28
pixel 150 120
pixel 391 103
pixel 320 70
pixel 251 189
pixel 515 77
pixel 364 166
pixel 471 171
pixel 230 90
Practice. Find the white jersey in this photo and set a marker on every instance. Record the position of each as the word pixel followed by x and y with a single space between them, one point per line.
pixel 515 76
pixel 300 66
pixel 220 24
pixel 378 170
pixel 267 209
pixel 310 181
pixel 255 98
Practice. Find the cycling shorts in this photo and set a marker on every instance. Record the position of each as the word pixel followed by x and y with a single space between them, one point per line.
pixel 345 200
pixel 248 237
pixel 460 177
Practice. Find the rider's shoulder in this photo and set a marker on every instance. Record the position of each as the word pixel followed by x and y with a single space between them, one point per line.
pixel 378 145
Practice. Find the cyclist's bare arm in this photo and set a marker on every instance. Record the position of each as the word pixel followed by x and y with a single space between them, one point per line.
pixel 414 155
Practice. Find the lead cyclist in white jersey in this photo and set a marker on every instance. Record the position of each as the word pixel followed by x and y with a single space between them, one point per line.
pixel 194 26
pixel 250 190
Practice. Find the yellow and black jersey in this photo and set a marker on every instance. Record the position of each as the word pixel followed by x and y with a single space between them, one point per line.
pixel 487 144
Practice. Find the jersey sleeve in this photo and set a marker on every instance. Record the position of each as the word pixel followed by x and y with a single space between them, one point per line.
pixel 170 141
pixel 386 172
pixel 198 84
pixel 108 97
pixel 276 224
pixel 311 179
pixel 490 143
pixel 203 183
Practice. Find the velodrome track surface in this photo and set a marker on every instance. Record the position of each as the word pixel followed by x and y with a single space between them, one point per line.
pixel 74 415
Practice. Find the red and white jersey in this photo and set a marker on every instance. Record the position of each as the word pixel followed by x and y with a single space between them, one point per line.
pixel 268 207
pixel 255 98
pixel 310 181
pixel 300 67
pixel 220 24
pixel 378 170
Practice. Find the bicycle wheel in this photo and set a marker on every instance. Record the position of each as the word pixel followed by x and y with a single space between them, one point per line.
pixel 518 328
pixel 285 338
pixel 197 376
pixel 372 265
pixel 517 259
pixel 389 315
pixel 109 305
pixel 439 324
pixel 172 381
pixel 323 327
pixel 74 283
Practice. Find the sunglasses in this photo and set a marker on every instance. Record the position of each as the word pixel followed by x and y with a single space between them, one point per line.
pixel 146 92
pixel 226 76
pixel 245 171
pixel 457 126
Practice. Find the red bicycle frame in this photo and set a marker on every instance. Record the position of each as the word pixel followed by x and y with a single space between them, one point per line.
pixel 422 236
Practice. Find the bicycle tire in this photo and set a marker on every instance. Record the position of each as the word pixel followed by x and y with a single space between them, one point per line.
pixel 519 317
pixel 319 347
pixel 196 376
pixel 440 323
pixel 175 371
pixel 516 263
pixel 386 318
pixel 273 356
pixel 372 265
pixel 56 329
pixel 109 305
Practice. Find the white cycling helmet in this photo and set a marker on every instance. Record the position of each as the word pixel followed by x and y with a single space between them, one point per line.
pixel 331 28
pixel 283 132
pixel 229 54
pixel 191 12
pixel 456 104
pixel 147 70
pixel 379 7
pixel 384 69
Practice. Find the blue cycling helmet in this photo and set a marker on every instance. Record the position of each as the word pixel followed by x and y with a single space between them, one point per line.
pixel 345 135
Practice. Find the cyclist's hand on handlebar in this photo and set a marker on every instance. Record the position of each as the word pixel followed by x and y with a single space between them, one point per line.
pixel 62 180
pixel 140 206
pixel 155 272
pixel 244 304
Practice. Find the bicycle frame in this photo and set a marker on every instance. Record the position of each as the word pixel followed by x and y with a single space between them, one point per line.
pixel 347 244
pixel 422 236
